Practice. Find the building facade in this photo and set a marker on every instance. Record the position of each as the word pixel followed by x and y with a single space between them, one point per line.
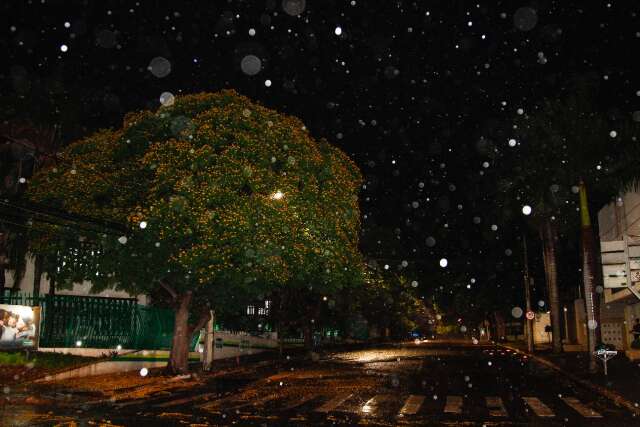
pixel 619 222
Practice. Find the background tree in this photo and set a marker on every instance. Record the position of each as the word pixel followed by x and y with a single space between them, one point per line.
pixel 25 147
pixel 213 191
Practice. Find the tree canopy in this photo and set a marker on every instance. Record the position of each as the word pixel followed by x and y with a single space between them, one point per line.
pixel 206 195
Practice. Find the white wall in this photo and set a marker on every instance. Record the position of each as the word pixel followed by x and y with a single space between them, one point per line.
pixel 539 335
pixel 621 216
pixel 84 288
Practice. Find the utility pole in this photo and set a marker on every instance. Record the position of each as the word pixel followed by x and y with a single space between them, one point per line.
pixel 527 296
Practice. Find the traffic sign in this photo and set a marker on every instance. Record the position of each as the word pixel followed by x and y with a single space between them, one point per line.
pixel 531 315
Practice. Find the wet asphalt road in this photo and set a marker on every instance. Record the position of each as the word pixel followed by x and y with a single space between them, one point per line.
pixel 428 384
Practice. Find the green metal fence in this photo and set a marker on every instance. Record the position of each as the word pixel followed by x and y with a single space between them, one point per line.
pixel 96 322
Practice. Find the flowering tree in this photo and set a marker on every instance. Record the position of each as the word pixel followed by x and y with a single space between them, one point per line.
pixel 216 195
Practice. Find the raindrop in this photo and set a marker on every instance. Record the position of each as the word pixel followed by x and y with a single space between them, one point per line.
pixel 525 18
pixel 338 31
pixel 251 65
pixel 106 39
pixel 463 329
pixel 167 99
pixel 613 134
pixel 540 303
pixel 252 32
pixel 294 7
pixel 520 111
pixel 526 210
pixel 512 142
pixel 431 242
pixel 122 239
pixel 516 312
pixel 414 284
pixel 144 372
pixel 267 83
pixel 159 67
pixel 443 262
pixel 64 48
pixel 143 224
pixel 592 324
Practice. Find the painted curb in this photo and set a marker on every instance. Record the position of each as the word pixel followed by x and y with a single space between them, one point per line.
pixel 615 397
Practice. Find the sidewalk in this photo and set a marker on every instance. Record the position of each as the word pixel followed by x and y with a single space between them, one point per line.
pixel 623 375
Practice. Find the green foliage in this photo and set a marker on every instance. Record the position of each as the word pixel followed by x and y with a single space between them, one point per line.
pixel 214 195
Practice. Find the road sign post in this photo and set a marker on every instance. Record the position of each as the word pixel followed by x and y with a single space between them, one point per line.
pixel 605 355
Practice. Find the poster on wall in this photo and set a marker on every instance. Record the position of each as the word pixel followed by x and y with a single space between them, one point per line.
pixel 19 326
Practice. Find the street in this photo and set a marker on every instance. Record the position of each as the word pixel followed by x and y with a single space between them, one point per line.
pixel 409 384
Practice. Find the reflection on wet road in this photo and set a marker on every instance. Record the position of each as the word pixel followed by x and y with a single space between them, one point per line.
pixel 425 384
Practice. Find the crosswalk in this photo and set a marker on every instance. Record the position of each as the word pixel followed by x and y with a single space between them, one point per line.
pixel 414 404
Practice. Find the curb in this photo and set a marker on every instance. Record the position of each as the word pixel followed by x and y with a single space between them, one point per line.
pixel 615 397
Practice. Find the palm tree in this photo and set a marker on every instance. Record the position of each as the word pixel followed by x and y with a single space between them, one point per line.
pixel 583 138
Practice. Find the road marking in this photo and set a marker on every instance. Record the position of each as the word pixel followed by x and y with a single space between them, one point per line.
pixel 539 408
pixel 495 406
pixel 372 404
pixel 581 408
pixel 453 405
pixel 333 403
pixel 412 405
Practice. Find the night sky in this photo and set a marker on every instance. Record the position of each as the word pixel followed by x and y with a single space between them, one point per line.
pixel 419 94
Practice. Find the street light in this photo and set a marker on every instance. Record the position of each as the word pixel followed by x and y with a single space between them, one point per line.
pixel 277 195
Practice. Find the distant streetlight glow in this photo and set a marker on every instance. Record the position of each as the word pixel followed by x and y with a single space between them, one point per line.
pixel 277 195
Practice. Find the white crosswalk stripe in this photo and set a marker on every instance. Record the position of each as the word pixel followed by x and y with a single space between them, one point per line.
pixel 453 405
pixel 538 408
pixel 412 405
pixel 371 407
pixel 332 404
pixel 495 406
pixel 581 408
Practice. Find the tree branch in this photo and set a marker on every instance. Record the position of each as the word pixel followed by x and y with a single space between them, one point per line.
pixel 169 289
pixel 204 318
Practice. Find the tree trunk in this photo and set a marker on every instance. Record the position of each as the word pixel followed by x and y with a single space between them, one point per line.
pixel 3 258
pixel 38 262
pixel 52 285
pixel 549 237
pixel 209 344
pixel 179 357
pixel 307 331
pixel 588 271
